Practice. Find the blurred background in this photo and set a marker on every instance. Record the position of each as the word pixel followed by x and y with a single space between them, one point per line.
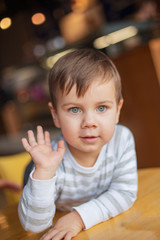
pixel 35 33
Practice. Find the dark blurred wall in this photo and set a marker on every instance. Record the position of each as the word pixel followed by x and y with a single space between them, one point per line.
pixel 12 41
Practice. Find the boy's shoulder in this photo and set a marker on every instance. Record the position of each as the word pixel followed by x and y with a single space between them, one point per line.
pixel 123 134
pixel 121 130
pixel 121 138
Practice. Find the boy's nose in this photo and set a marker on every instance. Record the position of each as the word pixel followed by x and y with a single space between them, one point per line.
pixel 89 121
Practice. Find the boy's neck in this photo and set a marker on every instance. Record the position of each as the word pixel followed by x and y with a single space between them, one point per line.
pixel 85 159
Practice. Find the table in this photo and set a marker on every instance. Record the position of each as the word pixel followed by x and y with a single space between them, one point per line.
pixel 142 221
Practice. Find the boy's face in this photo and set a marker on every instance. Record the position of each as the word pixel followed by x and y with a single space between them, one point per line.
pixel 87 122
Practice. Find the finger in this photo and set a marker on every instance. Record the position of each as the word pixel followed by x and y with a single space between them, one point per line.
pixel 68 236
pixel 59 236
pixel 31 138
pixel 40 135
pixel 49 235
pixel 25 144
pixel 61 147
pixel 47 138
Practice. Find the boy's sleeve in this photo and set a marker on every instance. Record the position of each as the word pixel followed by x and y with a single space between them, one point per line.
pixel 36 206
pixel 122 191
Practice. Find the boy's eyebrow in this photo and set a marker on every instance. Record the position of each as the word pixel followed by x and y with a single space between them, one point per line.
pixel 97 103
pixel 104 102
pixel 68 104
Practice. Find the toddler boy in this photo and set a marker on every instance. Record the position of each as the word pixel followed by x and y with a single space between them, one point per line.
pixel 90 170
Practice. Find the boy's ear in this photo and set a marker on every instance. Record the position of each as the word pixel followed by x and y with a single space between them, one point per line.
pixel 120 104
pixel 54 115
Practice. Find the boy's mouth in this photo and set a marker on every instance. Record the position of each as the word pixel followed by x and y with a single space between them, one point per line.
pixel 89 139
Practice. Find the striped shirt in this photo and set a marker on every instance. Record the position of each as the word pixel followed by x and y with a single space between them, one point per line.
pixel 97 193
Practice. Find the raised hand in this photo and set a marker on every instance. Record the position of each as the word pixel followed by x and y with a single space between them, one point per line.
pixel 46 159
pixel 65 228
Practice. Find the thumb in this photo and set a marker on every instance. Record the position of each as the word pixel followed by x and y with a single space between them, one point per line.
pixel 61 148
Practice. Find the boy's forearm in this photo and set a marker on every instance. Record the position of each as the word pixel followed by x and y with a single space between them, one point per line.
pixel 36 206
pixel 108 205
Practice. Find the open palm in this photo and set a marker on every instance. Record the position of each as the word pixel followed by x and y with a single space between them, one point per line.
pixel 45 158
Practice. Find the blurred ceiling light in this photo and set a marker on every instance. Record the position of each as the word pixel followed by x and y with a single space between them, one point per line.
pixel 39 50
pixel 53 59
pixel 59 42
pixel 56 43
pixel 115 37
pixel 5 23
pixel 38 18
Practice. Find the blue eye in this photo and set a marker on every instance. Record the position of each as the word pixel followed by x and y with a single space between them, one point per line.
pixel 101 109
pixel 74 110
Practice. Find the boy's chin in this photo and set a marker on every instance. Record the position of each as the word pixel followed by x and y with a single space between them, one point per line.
pixel 89 149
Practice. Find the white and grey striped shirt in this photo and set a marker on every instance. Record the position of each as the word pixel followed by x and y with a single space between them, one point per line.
pixel 97 193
